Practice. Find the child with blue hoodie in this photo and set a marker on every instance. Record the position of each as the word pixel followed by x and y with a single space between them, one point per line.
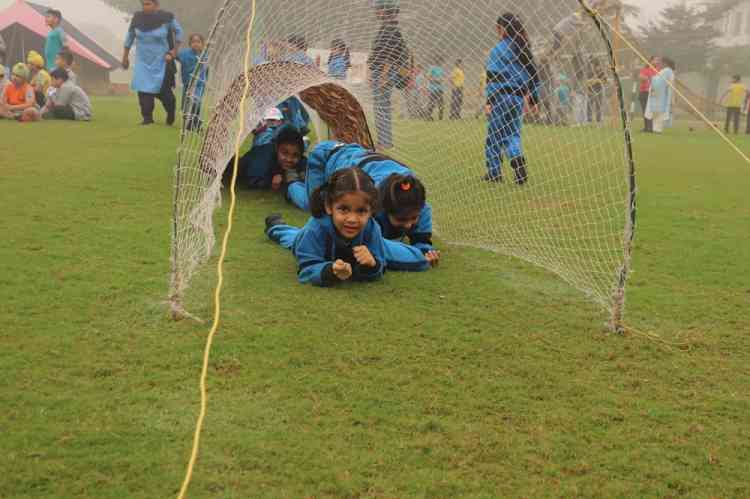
pixel 405 212
pixel 341 241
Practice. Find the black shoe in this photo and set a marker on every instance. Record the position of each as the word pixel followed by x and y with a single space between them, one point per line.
pixel 498 179
pixel 170 119
pixel 147 122
pixel 272 220
pixel 519 167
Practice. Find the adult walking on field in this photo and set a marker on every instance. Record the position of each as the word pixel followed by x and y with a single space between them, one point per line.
pixel 644 77
pixel 158 36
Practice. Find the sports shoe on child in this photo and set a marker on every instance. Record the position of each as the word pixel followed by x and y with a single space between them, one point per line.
pixel 273 219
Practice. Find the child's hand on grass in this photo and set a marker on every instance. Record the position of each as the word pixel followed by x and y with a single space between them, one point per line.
pixel 276 182
pixel 433 257
pixel 364 257
pixel 342 270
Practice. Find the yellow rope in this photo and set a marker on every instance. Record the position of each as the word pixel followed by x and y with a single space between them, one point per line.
pixel 220 265
pixel 640 55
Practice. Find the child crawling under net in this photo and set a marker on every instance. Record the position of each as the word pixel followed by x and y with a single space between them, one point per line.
pixel 276 159
pixel 341 241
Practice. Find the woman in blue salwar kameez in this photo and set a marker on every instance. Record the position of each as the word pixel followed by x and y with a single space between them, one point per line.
pixel 158 36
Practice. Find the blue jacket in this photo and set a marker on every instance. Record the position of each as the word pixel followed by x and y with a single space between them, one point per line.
pixel 258 165
pixel 318 246
pixel 189 60
pixel 330 156
pixel 510 74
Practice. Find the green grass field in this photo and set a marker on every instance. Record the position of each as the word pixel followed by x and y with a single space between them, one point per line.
pixel 484 378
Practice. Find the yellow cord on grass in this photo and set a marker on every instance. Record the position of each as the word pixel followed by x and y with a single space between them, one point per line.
pixel 692 106
pixel 220 265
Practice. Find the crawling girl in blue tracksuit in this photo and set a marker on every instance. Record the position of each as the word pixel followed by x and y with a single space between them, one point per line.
pixel 405 212
pixel 341 241
pixel 511 77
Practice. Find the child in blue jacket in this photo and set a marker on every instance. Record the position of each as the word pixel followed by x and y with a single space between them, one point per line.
pixel 191 58
pixel 341 241
pixel 405 213
pixel 511 78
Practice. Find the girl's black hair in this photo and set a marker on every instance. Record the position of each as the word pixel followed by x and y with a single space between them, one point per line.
pixel 341 183
pixel 669 62
pixel 402 195
pixel 289 134
pixel 515 30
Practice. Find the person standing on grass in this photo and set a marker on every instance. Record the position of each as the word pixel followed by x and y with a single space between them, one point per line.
pixel 190 58
pixel 458 78
pixel 158 35
pixel 56 39
pixel 339 60
pixel 512 77
pixel 645 76
pixel 69 102
pixel 595 92
pixel 388 68
pixel 736 97
pixel 659 107
pixel 436 86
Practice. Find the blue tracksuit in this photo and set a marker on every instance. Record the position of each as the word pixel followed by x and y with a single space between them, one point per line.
pixel 329 157
pixel 258 166
pixel 317 246
pixel 507 83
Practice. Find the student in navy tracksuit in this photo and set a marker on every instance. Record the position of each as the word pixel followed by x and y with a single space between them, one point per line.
pixel 341 241
pixel 274 161
pixel 329 157
pixel 511 77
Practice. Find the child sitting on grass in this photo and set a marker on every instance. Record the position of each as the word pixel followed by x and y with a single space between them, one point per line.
pixel 69 101
pixel 341 241
pixel 64 60
pixel 4 81
pixel 17 101
pixel 39 78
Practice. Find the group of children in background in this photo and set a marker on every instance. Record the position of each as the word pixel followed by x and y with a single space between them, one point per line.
pixel 39 89
pixel 736 99
pixel 46 87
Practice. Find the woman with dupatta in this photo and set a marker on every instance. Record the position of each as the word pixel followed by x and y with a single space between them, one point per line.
pixel 158 36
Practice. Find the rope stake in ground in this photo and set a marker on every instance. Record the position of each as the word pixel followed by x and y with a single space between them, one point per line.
pixel 220 266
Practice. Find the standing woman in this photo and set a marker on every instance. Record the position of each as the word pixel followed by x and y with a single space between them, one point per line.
pixel 659 107
pixel 511 78
pixel 159 36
